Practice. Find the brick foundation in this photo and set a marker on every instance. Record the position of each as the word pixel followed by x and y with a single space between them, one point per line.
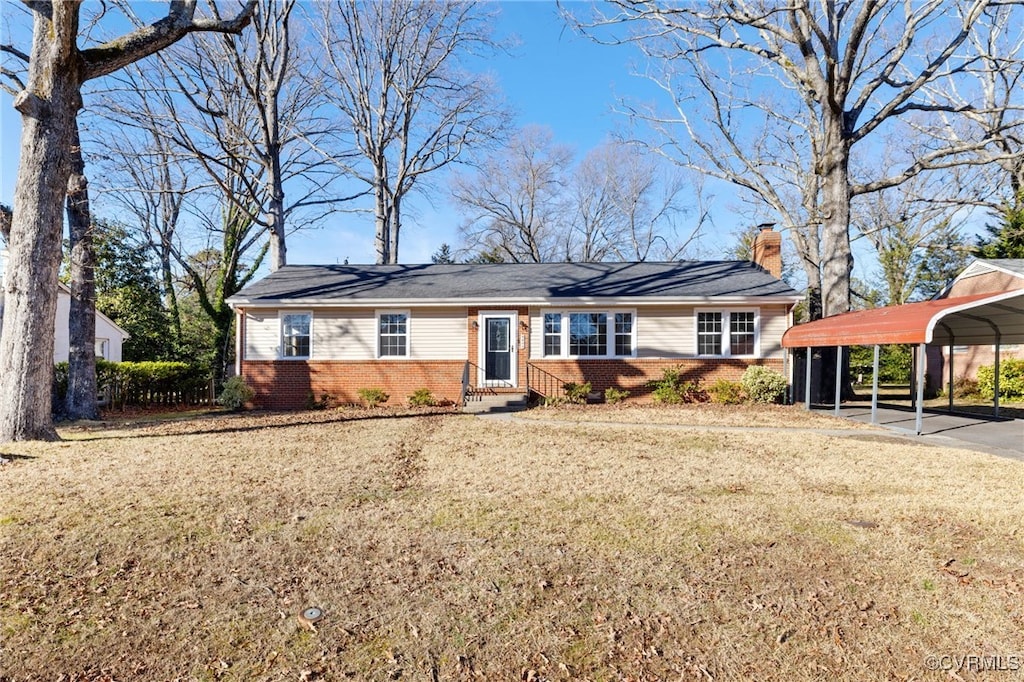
pixel 634 373
pixel 287 385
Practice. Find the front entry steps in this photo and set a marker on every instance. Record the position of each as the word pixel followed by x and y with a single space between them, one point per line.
pixel 482 401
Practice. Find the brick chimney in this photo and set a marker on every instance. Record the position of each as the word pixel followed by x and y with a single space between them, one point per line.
pixel 767 250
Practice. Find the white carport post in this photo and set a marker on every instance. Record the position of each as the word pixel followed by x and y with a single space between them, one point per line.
pixel 920 388
pixel 874 387
pixel 807 380
pixel 995 411
pixel 951 375
pixel 839 376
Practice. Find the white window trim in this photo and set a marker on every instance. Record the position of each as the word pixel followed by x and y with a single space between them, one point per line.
pixel 280 335
pixel 408 334
pixel 563 351
pixel 726 333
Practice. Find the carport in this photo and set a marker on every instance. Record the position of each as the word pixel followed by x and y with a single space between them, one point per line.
pixel 979 319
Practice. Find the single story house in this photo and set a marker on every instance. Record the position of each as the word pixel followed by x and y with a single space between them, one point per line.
pixel 109 337
pixel 982 276
pixel 309 330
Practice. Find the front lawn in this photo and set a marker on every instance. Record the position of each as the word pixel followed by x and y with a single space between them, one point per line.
pixel 451 547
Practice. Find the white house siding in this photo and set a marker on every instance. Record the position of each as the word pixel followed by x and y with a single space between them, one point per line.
pixel 344 334
pixel 105 331
pixel 351 333
pixel 262 335
pixel 774 322
pixel 439 333
pixel 666 331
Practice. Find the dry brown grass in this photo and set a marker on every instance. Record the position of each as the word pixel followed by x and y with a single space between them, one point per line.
pixel 450 547
pixel 697 414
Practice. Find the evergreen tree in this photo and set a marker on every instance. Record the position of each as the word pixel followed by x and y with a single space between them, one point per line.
pixel 443 255
pixel 1006 239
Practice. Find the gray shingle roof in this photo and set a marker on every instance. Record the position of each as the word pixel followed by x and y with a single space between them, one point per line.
pixel 297 284
pixel 1015 265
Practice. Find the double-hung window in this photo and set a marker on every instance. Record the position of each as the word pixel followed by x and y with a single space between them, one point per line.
pixel 296 333
pixel 392 334
pixel 588 334
pixel 552 334
pixel 727 333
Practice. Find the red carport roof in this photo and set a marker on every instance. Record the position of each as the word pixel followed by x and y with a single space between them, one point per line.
pixel 967 320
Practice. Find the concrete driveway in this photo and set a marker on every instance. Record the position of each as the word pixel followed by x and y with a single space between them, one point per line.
pixel 1002 437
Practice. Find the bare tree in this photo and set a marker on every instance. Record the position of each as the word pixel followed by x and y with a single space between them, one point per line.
pixel 775 99
pixel 907 226
pixel 516 202
pixel 48 103
pixel 396 80
pixel 626 206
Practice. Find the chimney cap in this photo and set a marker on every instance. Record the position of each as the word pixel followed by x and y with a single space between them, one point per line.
pixel 766 227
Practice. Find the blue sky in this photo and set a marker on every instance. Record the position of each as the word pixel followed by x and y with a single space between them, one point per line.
pixel 553 77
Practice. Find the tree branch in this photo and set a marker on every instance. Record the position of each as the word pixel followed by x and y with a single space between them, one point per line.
pixel 179 22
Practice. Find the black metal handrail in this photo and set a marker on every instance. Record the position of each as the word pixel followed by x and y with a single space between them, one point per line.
pixel 544 383
pixel 470 384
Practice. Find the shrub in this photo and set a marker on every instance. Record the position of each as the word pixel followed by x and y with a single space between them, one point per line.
pixel 373 397
pixel 422 397
pixel 141 383
pixel 1011 379
pixel 965 387
pixel 313 404
pixel 613 395
pixel 725 392
pixel 764 385
pixel 673 390
pixel 576 393
pixel 236 393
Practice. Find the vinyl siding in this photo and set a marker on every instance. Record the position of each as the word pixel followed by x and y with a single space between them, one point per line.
pixel 439 333
pixel 262 335
pixel 668 331
pixel 351 334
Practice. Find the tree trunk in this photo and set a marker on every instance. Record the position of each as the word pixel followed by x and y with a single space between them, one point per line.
pixel 381 239
pixel 837 258
pixel 48 108
pixel 278 248
pixel 393 236
pixel 80 401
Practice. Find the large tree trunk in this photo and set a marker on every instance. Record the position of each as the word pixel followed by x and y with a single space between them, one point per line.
pixel 837 258
pixel 80 401
pixel 381 240
pixel 48 108
pixel 275 213
pixel 393 236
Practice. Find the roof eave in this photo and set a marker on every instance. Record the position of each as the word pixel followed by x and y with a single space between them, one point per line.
pixel 237 302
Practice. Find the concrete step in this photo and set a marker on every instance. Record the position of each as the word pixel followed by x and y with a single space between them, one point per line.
pixel 495 402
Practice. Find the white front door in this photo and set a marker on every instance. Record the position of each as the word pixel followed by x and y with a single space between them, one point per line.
pixel 498 349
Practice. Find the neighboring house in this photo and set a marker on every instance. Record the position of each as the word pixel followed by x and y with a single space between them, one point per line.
pixel 109 337
pixel 310 330
pixel 995 275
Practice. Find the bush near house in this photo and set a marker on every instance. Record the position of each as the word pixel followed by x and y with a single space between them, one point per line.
pixel 1011 379
pixel 422 397
pixel 373 397
pixel 236 393
pixel 672 389
pixel 725 392
pixel 576 393
pixel 764 385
